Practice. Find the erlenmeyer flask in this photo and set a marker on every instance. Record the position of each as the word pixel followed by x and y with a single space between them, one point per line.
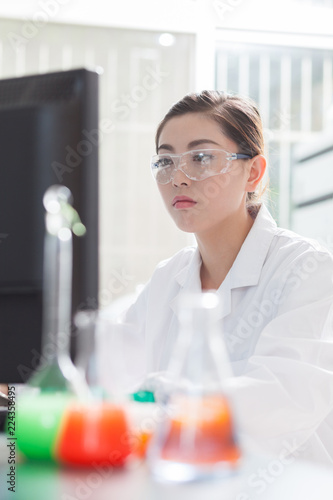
pixel 56 380
pixel 94 432
pixel 57 371
pixel 197 439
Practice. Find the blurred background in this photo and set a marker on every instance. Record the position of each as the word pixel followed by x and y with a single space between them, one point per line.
pixel 151 53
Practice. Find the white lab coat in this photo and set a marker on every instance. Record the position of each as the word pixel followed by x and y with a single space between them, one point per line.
pixel 277 324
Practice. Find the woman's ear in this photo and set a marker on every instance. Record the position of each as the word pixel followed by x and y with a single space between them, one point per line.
pixel 256 173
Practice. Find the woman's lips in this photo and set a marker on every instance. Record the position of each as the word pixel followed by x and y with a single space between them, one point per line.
pixel 183 202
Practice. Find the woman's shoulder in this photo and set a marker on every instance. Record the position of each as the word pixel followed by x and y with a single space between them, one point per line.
pixel 293 253
pixel 294 242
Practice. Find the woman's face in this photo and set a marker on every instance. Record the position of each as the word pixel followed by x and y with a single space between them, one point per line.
pixel 217 200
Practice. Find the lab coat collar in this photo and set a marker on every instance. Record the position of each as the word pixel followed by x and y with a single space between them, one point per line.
pixel 247 267
pixel 248 264
pixel 189 276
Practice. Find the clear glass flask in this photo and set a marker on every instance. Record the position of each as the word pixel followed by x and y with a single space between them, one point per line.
pixel 197 438
pixel 57 371
pixel 56 381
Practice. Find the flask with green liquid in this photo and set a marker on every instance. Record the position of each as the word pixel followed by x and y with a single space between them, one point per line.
pixel 56 382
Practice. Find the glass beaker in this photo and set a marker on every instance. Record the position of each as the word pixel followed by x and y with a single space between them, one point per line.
pixel 197 439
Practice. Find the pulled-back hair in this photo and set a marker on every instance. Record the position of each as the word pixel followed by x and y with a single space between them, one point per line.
pixel 237 116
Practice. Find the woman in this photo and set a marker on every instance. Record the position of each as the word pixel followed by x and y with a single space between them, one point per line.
pixel 275 286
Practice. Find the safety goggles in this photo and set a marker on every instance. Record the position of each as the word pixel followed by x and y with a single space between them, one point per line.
pixel 197 165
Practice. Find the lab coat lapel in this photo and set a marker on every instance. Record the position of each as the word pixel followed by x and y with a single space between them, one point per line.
pixel 246 269
pixel 189 281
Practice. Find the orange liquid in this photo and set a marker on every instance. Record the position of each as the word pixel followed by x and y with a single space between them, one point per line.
pixel 93 435
pixel 142 443
pixel 201 432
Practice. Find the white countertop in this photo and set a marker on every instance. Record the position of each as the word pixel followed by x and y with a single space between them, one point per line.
pixel 258 479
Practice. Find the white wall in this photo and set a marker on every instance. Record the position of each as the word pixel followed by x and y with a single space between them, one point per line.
pixel 176 15
pixel 291 16
pixel 183 16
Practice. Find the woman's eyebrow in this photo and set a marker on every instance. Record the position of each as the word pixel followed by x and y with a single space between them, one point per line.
pixel 165 146
pixel 190 145
pixel 197 142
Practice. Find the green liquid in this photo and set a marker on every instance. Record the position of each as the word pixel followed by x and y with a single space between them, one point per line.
pixel 38 419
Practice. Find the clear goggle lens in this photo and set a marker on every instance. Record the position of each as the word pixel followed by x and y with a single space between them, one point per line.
pixel 196 165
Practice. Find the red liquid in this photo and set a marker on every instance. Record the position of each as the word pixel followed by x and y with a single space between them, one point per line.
pixel 201 432
pixel 95 434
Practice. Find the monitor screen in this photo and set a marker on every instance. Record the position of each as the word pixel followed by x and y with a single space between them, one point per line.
pixel 48 135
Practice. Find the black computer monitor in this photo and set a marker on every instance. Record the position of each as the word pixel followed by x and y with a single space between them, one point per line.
pixel 48 135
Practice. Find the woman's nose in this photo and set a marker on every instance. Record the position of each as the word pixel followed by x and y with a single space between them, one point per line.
pixel 180 179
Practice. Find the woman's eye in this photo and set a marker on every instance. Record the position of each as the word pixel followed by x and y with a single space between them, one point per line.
pixel 163 162
pixel 203 158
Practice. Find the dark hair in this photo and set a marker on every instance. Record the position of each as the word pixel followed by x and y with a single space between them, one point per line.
pixel 237 116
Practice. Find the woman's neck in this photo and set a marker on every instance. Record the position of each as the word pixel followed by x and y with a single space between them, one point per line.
pixel 219 248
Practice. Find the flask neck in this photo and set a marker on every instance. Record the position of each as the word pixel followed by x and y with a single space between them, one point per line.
pixel 57 297
pixel 200 362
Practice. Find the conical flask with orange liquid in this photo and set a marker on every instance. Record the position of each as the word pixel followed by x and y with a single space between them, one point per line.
pixel 197 439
